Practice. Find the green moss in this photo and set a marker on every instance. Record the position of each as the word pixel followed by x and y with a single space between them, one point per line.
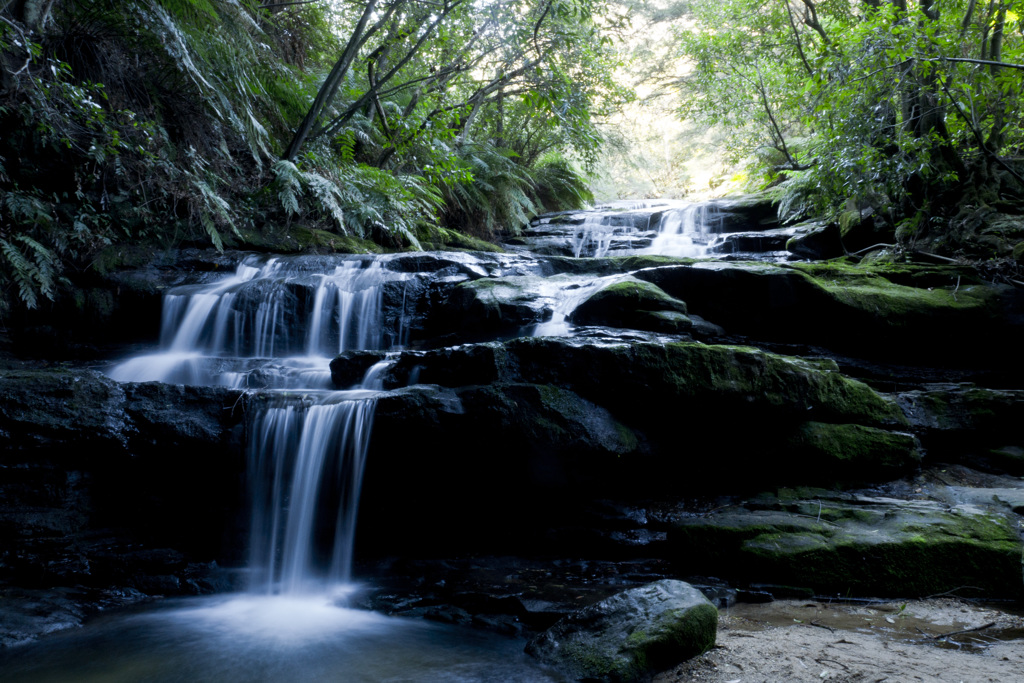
pixel 589 659
pixel 864 546
pixel 852 452
pixel 900 295
pixel 631 263
pixel 633 304
pixel 437 238
pixel 300 238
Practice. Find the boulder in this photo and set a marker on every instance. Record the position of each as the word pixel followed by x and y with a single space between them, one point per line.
pixel 634 304
pixel 744 212
pixel 632 635
pixel 865 229
pixel 851 453
pixel 504 305
pixel 818 241
pixel 752 242
pixel 891 311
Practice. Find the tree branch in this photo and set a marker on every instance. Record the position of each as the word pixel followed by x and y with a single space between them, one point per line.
pixel 372 91
pixel 811 20
pixel 984 62
pixel 978 136
pixel 796 36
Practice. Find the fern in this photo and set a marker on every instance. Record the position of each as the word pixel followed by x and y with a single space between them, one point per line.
pixel 34 273
pixel 292 182
pixel 288 180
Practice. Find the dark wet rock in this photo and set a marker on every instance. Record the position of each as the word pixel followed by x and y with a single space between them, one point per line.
pixel 603 230
pixel 115 486
pixel 611 265
pixel 858 544
pixel 968 423
pixel 817 242
pixel 864 230
pixel 633 304
pixel 745 212
pixel 505 624
pixel 631 635
pixel 704 330
pixel 547 420
pixel 751 242
pixel 498 305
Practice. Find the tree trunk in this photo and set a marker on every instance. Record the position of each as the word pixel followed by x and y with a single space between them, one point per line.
pixel 330 87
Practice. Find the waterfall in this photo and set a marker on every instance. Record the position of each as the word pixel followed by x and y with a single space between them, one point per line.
pixel 271 324
pixel 274 324
pixel 306 462
pixel 595 232
pixel 685 231
pixel 567 295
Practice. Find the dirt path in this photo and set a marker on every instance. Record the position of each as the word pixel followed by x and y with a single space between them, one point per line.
pixel 814 641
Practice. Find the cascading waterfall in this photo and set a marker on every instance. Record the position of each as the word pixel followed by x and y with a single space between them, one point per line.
pixel 306 463
pixel 685 231
pixel 566 298
pixel 307 451
pixel 272 324
pixel 595 230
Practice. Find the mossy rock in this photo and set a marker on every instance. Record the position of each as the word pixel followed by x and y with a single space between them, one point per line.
pixel 854 545
pixel 848 454
pixel 612 265
pixel 631 635
pixel 695 379
pixel 891 311
pixel 500 305
pixel 436 238
pixel 705 379
pixel 635 304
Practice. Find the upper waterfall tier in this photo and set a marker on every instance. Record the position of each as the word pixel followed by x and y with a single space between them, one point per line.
pixel 303 310
pixel 667 227
pixel 276 322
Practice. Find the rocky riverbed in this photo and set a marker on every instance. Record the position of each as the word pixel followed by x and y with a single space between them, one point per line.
pixel 548 431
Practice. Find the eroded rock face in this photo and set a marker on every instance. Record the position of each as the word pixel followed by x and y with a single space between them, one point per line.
pixel 631 635
pixel 97 475
pixel 971 424
pixel 564 422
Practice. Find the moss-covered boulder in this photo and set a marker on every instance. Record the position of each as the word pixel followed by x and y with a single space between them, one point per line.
pixel 631 635
pixel 608 414
pixel 691 380
pixel 633 304
pixel 892 311
pixel 854 544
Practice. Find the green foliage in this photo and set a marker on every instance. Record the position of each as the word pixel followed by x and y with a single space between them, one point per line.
pixel 161 122
pixel 875 104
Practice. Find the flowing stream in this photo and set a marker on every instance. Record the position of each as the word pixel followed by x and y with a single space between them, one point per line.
pixel 273 325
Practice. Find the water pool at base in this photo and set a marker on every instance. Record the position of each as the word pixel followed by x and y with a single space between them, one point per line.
pixel 268 639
